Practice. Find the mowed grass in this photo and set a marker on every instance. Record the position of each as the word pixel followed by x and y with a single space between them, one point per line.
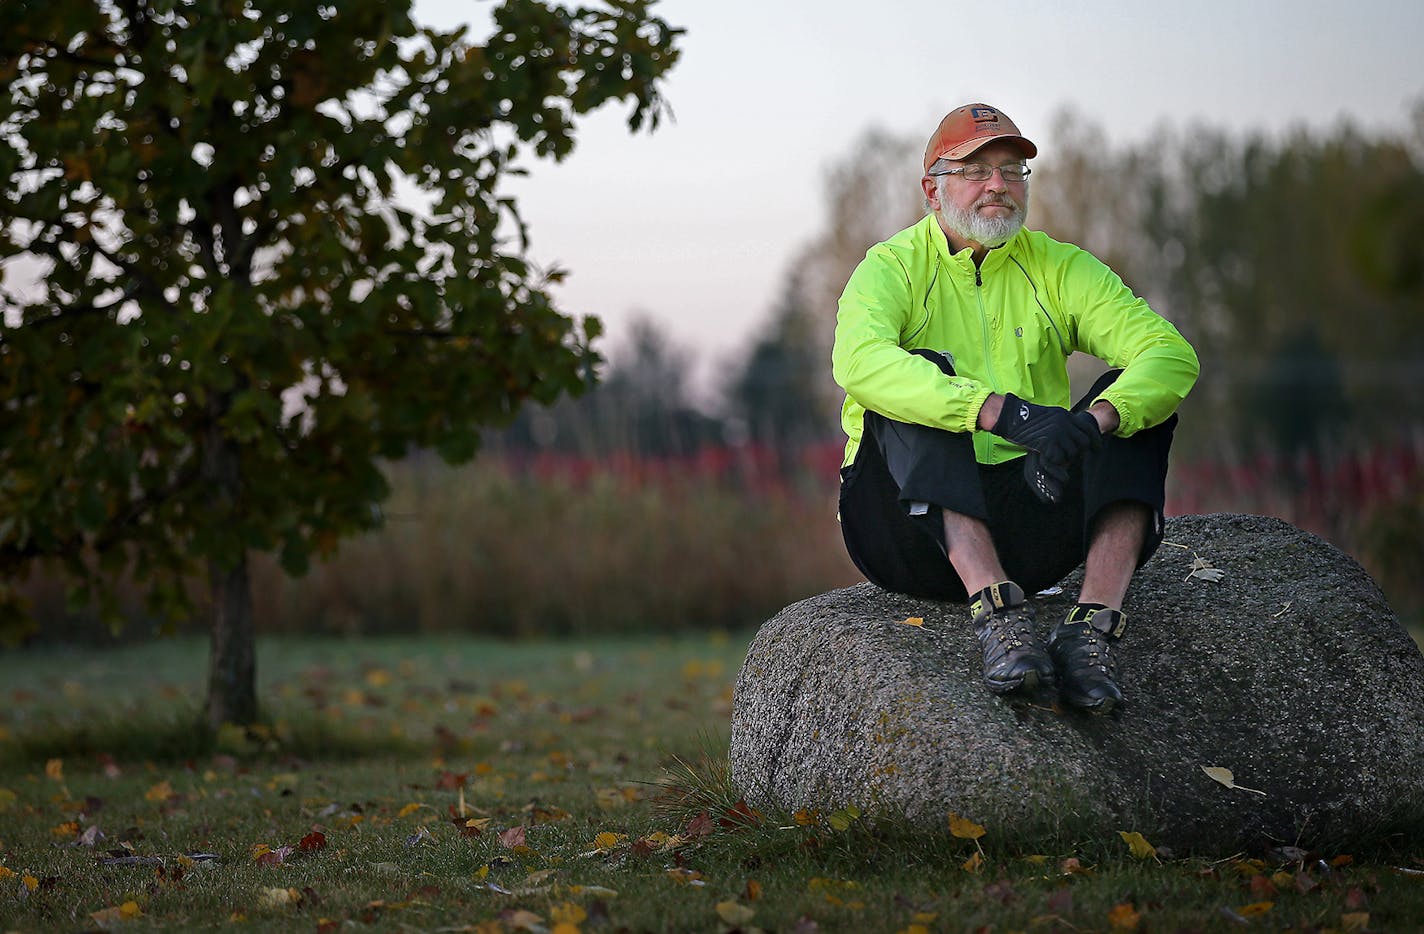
pixel 464 784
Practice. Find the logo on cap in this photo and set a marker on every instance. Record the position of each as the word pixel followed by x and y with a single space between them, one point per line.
pixel 983 114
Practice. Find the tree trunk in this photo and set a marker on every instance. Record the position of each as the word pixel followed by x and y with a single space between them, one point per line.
pixel 232 659
pixel 232 662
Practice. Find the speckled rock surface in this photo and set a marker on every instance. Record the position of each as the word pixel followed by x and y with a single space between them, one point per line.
pixel 1291 671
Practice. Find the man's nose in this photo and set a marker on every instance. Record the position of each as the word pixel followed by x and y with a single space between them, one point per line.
pixel 996 181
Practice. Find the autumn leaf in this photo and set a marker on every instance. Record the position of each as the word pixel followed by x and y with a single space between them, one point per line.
pixel 701 826
pixel 963 828
pixel 511 838
pixel 409 809
pixel 568 913
pixel 1223 775
pixel 1138 844
pixel 917 621
pixel 806 817
pixel 128 911
pixel 278 897
pixel 1202 570
pixel 739 816
pixel 1263 888
pixel 1355 920
pixel 974 863
pixel 1124 917
pixel 160 792
pixel 607 840
pixel 316 840
pixel 734 914
pixel 1254 909
pixel 841 820
pixel 54 770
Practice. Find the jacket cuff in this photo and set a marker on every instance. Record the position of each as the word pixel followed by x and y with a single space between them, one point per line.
pixel 1129 422
pixel 976 402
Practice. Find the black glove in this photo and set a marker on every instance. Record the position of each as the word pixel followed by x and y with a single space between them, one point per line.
pixel 1046 478
pixel 1059 438
pixel 1059 435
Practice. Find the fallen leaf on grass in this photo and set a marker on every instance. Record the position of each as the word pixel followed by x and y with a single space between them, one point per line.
pixel 701 826
pixel 841 820
pixel 160 792
pixel 1355 920
pixel 521 919
pixel 54 770
pixel 1223 775
pixel 513 837
pixel 1124 917
pixel 739 816
pixel 1138 844
pixel 126 912
pixel 964 828
pixel 91 835
pixel 1254 909
pixel 278 897
pixel 316 840
pixel 916 621
pixel 974 863
pixel 568 913
pixel 734 913
pixel 1263 888
pixel 1072 866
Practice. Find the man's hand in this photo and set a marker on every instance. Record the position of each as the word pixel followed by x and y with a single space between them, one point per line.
pixel 1046 478
pixel 1055 437
pixel 1059 435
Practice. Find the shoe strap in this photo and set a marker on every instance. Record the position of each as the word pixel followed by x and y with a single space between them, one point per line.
pixel 1111 623
pixel 996 597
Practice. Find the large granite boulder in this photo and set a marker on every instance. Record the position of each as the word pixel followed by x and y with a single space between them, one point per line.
pixel 1290 671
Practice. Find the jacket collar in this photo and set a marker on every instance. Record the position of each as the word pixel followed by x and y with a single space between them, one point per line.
pixel 962 263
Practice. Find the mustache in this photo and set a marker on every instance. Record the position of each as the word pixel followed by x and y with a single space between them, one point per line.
pixel 998 200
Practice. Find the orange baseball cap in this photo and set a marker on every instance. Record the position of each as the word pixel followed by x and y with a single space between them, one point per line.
pixel 967 129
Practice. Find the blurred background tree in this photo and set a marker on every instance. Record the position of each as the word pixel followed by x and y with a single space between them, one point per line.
pixel 270 248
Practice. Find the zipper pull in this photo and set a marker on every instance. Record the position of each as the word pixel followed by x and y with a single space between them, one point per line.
pixel 978 279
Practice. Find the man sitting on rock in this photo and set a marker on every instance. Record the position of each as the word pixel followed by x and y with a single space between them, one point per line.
pixel 967 476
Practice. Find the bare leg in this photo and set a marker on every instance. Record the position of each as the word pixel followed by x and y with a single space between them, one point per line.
pixel 1112 553
pixel 971 552
pixel 1014 658
pixel 1080 644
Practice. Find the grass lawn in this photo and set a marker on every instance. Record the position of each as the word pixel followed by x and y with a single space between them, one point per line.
pixel 462 784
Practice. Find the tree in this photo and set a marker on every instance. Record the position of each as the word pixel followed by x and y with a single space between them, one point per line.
pixel 274 251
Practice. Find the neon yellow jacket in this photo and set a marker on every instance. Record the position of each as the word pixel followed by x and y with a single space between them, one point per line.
pixel 1007 327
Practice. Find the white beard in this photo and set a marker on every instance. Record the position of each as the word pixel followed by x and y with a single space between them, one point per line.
pixel 987 231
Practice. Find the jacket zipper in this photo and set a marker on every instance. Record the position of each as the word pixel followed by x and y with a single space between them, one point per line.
pixel 984 329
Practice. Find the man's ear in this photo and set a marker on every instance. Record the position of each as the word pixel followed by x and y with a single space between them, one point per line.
pixel 931 190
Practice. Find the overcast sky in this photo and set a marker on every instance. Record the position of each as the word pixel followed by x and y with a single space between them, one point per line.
pixel 694 225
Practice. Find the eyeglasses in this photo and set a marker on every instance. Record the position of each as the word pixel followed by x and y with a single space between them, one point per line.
pixel 982 172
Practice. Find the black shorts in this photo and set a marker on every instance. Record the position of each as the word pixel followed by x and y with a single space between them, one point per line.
pixel 1038 544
